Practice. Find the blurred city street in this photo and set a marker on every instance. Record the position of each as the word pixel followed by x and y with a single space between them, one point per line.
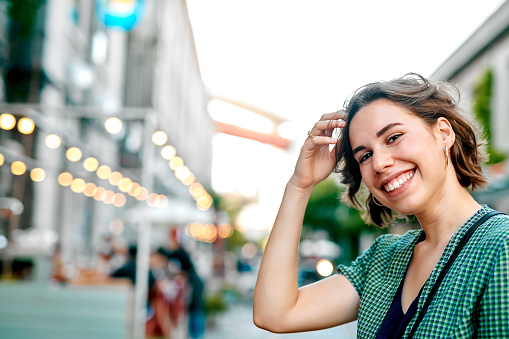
pixel 237 323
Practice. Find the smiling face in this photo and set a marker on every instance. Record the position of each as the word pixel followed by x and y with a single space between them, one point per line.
pixel 401 159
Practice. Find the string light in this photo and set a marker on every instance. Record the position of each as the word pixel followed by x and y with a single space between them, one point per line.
pixel 26 125
pixel 53 141
pixel 91 164
pixel 7 121
pixel 18 168
pixel 37 174
pixel 159 138
pixel 73 154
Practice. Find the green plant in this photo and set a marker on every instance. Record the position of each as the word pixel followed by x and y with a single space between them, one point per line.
pixel 482 108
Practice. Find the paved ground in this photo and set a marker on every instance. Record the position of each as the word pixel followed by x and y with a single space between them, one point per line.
pixel 237 324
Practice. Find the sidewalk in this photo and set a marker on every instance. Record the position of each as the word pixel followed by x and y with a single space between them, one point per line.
pixel 237 323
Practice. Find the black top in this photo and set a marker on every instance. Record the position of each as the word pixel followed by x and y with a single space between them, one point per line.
pixel 395 322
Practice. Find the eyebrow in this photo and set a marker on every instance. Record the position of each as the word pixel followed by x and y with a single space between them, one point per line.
pixel 378 134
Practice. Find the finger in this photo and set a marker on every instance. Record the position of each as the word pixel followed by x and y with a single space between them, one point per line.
pixel 341 114
pixel 326 127
pixel 321 141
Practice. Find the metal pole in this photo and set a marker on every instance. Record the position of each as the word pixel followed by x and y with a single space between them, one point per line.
pixel 144 229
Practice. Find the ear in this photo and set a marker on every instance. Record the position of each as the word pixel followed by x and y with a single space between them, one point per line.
pixel 444 131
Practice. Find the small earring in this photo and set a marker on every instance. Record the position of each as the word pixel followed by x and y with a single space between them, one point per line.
pixel 446 156
pixel 377 202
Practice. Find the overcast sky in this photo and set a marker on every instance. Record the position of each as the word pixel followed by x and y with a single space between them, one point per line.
pixel 299 59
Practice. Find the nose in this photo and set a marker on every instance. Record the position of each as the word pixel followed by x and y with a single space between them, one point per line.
pixel 382 160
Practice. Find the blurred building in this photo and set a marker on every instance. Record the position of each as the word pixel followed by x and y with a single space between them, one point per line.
pixel 69 67
pixel 487 51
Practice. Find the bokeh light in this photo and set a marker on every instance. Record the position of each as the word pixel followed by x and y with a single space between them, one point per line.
pixel 224 231
pixel 73 154
pixel 65 179
pixel 2 159
pixel 116 227
pixel 90 189
pixel 168 152
pixel 189 180
pixel 141 193
pixel 26 125
pixel 113 125
pixel 249 250
pixel 18 168
pixel 103 172
pixel 108 196
pixel 98 193
pixel 125 185
pixel 151 199
pixel 159 138
pixel 182 172
pixel 161 201
pixel 134 187
pixel 78 185
pixel 53 141
pixel 37 174
pixel 115 178
pixel 176 162
pixel 119 200
pixel 91 164
pixel 7 121
pixel 324 267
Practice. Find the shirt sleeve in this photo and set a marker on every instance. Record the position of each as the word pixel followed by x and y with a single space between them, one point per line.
pixel 356 273
pixel 494 306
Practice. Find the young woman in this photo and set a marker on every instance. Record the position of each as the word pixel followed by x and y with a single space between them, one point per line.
pixel 407 141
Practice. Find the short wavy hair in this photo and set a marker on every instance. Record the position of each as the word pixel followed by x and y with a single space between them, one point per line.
pixel 428 100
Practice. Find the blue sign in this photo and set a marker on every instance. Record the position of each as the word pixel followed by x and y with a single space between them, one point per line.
pixel 121 14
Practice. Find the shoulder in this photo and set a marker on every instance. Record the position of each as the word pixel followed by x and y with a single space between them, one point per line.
pixel 495 231
pixel 395 241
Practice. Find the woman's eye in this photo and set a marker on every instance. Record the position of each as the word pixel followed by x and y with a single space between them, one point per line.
pixel 364 157
pixel 393 138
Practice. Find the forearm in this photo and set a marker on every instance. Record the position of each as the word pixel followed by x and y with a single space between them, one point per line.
pixel 276 290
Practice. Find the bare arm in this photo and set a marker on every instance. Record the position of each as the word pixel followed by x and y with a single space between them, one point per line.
pixel 279 305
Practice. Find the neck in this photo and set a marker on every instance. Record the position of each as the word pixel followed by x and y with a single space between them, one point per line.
pixel 442 220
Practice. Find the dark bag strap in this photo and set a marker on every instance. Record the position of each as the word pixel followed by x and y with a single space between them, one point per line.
pixel 449 263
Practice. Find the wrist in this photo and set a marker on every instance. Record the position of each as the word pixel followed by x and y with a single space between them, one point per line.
pixel 294 186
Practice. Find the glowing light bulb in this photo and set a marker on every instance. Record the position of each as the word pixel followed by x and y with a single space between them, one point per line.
pixel 168 152
pixel 159 138
pixel 18 168
pixel 115 178
pixel 53 141
pixel 37 174
pixel 78 185
pixel 65 179
pixel 7 121
pixel 324 267
pixel 26 125
pixel 113 125
pixel 91 164
pixel 103 172
pixel 176 162
pixel 73 154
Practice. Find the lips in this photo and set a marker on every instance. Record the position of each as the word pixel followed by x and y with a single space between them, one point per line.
pixel 398 181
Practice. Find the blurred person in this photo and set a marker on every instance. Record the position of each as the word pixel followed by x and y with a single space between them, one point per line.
pixel 415 153
pixel 156 321
pixel 175 251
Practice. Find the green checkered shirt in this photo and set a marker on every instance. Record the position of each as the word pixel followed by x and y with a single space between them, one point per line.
pixel 473 299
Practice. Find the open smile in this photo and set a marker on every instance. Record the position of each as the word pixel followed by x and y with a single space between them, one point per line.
pixel 399 181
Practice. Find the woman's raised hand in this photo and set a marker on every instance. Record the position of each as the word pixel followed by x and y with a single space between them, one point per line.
pixel 316 161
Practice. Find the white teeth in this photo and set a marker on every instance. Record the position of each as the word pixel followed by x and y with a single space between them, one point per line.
pixel 398 183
